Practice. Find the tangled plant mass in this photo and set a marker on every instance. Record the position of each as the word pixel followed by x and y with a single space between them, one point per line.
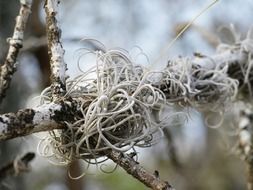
pixel 116 110
pixel 121 107
pixel 197 86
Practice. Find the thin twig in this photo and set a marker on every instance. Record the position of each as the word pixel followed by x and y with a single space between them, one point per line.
pixel 17 166
pixel 133 168
pixel 55 50
pixel 16 42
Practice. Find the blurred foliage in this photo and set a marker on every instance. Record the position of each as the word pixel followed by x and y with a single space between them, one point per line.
pixel 119 180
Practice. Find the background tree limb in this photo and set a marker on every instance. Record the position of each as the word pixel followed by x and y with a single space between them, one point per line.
pixel 16 42
pixel 17 166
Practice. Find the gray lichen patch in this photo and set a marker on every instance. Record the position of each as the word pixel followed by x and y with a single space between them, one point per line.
pixel 14 124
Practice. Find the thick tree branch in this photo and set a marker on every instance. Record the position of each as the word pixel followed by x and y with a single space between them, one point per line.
pixel 17 166
pixel 133 168
pixel 16 42
pixel 55 49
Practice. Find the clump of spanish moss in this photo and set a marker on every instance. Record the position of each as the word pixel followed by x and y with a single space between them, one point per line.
pixel 116 110
pixel 121 102
pixel 203 88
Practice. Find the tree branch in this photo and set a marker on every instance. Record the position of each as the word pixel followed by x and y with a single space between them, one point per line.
pixel 133 168
pixel 16 42
pixel 17 166
pixel 43 118
pixel 55 49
